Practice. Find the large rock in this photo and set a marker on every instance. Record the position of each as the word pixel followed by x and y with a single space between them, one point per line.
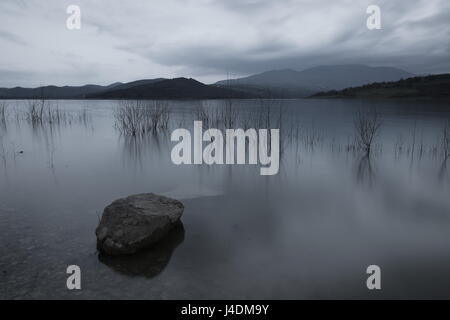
pixel 136 222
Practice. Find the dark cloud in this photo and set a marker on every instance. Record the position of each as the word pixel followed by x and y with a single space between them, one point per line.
pixel 208 39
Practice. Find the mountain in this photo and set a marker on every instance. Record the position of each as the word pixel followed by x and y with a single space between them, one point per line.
pixel 271 84
pixel 267 91
pixel 178 88
pixel 159 88
pixel 318 78
pixel 131 84
pixel 68 92
pixel 54 92
pixel 434 86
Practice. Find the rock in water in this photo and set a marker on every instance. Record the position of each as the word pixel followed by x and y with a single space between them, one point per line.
pixel 136 222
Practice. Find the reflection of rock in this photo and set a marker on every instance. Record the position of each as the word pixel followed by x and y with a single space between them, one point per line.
pixel 151 261
pixel 136 222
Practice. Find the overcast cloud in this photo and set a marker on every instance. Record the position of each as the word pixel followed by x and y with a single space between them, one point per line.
pixel 210 39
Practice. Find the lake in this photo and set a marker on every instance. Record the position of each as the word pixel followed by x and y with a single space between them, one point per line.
pixel 308 232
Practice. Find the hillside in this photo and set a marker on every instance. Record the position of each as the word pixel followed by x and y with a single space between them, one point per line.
pixel 434 86
pixel 53 92
pixel 68 92
pixel 268 92
pixel 303 83
pixel 271 84
pixel 178 88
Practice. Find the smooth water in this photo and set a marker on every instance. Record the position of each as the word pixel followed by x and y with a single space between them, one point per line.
pixel 308 232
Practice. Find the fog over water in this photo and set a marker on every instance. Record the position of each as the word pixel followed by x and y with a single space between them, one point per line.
pixel 308 232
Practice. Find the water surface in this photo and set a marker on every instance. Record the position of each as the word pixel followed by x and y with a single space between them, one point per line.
pixel 308 232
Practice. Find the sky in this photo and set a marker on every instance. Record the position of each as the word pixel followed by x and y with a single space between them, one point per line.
pixel 212 40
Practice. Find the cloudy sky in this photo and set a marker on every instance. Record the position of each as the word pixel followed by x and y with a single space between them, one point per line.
pixel 212 39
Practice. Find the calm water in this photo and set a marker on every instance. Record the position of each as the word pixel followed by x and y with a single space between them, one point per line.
pixel 308 232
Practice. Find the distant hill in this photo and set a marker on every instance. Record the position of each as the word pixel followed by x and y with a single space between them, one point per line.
pixel 131 84
pixel 271 84
pixel 68 92
pixel 268 92
pixel 53 92
pixel 159 88
pixel 306 82
pixel 178 88
pixel 434 86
